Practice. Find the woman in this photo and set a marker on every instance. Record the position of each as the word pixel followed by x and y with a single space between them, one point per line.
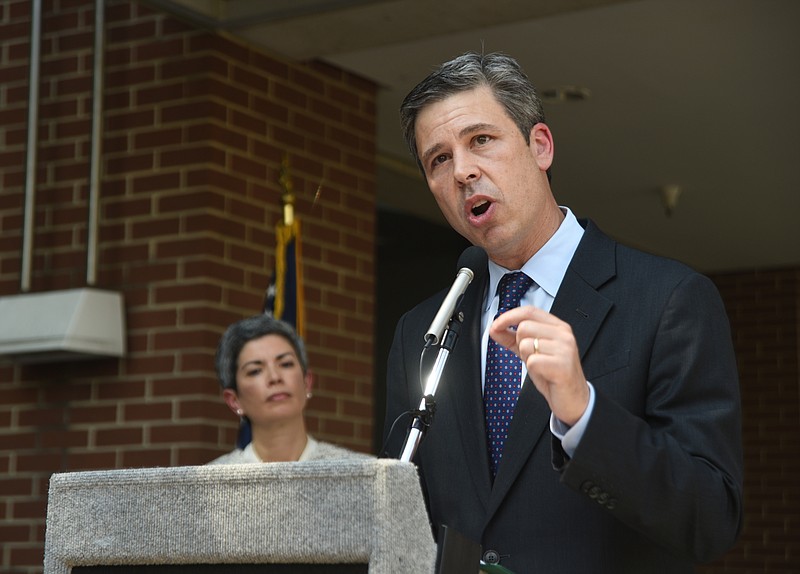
pixel 263 369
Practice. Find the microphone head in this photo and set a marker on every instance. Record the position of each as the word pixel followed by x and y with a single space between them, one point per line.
pixel 471 264
pixel 475 259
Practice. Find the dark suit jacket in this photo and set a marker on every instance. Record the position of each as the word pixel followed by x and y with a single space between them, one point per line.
pixel 656 482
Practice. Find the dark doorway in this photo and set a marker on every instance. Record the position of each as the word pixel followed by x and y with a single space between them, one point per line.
pixel 415 259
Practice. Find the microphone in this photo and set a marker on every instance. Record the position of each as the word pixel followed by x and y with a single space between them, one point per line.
pixel 473 260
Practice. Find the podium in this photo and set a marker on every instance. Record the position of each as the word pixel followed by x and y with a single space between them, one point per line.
pixel 327 512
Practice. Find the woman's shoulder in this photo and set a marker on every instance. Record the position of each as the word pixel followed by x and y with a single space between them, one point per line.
pixel 236 456
pixel 326 450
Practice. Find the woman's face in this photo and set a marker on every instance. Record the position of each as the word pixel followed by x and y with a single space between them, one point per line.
pixel 270 382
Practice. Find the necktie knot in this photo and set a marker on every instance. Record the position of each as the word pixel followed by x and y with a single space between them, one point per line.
pixel 512 287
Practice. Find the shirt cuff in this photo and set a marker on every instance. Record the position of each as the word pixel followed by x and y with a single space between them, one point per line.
pixel 571 436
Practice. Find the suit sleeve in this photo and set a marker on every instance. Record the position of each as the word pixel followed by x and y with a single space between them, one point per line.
pixel 671 468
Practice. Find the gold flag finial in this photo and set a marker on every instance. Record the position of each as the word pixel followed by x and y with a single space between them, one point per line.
pixel 288 192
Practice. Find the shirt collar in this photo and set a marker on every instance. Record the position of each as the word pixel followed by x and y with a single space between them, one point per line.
pixel 309 452
pixel 548 266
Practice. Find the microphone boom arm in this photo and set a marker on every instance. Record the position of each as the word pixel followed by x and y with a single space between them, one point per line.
pixel 427 406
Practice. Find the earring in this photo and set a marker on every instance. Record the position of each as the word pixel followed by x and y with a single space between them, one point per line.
pixel 239 412
pixel 309 395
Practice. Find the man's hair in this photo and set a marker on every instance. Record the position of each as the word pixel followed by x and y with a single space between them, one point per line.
pixel 242 332
pixel 499 72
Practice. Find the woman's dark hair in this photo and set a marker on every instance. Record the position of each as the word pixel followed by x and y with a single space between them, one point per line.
pixel 238 334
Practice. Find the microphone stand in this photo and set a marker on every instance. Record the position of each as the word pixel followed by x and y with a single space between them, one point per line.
pixel 423 416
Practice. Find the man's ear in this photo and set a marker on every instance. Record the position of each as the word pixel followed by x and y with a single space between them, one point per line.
pixel 542 145
pixel 232 400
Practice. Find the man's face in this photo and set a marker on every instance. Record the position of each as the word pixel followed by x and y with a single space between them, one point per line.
pixel 490 185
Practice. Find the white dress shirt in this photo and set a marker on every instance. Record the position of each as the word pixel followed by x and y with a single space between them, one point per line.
pixel 547 269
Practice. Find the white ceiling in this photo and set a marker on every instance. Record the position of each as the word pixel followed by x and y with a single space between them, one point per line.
pixel 702 94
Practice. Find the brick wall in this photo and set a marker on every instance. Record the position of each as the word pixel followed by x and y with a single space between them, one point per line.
pixel 195 129
pixel 764 309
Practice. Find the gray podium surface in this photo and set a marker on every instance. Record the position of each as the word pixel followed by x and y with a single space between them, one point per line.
pixel 317 512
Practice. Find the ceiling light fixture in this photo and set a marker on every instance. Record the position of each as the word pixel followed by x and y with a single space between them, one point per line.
pixel 669 197
pixel 560 94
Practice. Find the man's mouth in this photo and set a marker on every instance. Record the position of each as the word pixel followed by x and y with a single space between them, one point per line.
pixel 480 208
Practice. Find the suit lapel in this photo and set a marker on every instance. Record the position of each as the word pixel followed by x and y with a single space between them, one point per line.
pixel 578 302
pixel 463 372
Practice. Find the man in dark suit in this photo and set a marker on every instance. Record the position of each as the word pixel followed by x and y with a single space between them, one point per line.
pixel 623 450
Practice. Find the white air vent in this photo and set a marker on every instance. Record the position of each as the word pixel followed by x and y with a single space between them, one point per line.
pixel 65 325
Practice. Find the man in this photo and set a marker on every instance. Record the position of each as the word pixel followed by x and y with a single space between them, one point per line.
pixel 623 451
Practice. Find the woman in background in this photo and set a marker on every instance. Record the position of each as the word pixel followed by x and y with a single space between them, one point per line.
pixel 262 367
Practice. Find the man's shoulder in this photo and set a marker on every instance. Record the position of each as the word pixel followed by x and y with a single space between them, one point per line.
pixel 627 257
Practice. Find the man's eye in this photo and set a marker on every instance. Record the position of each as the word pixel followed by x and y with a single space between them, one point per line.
pixel 482 139
pixel 439 159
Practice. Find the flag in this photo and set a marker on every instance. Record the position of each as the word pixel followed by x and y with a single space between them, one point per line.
pixel 284 296
pixel 284 299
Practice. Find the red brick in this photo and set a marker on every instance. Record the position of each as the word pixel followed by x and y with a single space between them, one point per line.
pixel 158 138
pixel 146 458
pixel 186 200
pixel 156 227
pixel 118 436
pixel 128 120
pixel 94 460
pixel 182 339
pixel 129 163
pixel 177 386
pixel 190 247
pixel 147 411
pixel 129 76
pixel 64 438
pixel 181 433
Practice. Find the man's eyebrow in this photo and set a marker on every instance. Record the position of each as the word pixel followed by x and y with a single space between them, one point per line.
pixel 483 126
pixel 429 152
pixel 470 129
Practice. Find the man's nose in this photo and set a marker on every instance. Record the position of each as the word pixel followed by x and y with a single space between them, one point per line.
pixel 465 168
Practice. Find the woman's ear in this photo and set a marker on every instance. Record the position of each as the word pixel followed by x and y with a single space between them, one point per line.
pixel 232 400
pixel 309 379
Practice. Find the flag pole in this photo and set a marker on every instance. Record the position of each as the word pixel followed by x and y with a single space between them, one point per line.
pixel 284 298
pixel 287 197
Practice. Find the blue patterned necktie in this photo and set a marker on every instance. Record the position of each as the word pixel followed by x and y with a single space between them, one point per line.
pixel 503 373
